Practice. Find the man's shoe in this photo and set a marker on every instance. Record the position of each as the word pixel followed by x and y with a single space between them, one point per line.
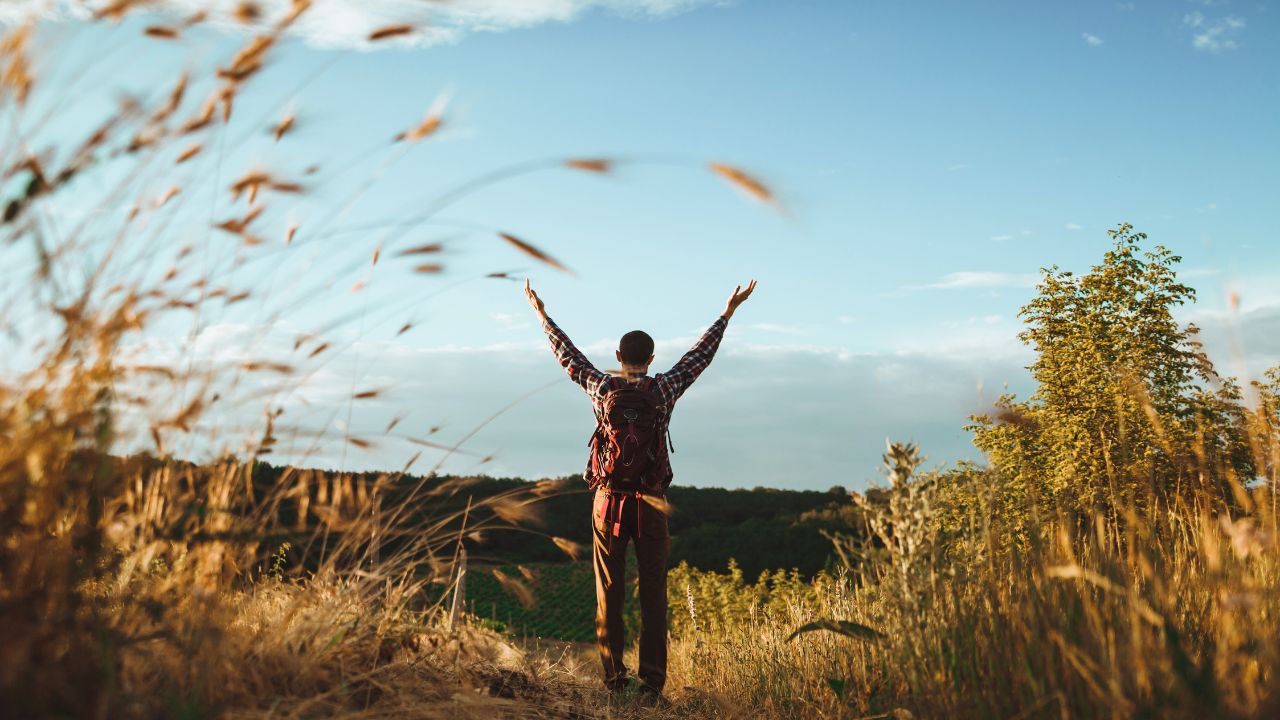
pixel 650 696
pixel 623 688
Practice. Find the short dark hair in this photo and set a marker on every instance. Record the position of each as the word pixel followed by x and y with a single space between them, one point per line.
pixel 635 347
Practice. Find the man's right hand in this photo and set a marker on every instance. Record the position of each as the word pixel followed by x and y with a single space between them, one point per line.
pixel 738 297
pixel 534 300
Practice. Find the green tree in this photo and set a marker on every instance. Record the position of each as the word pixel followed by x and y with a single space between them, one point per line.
pixel 1127 409
pixel 1264 428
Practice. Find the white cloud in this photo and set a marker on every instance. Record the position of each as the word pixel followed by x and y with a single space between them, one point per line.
pixel 1240 343
pixel 1199 272
pixel 1001 238
pixel 1213 34
pixel 830 410
pixel 960 280
pixel 1073 226
pixel 1091 39
pixel 343 23
pixel 776 328
pixel 980 339
pixel 830 407
pixel 509 321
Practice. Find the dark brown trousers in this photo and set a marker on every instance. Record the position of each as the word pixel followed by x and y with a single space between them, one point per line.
pixel 616 521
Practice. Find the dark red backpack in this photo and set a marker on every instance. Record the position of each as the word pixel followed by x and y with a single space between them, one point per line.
pixel 626 447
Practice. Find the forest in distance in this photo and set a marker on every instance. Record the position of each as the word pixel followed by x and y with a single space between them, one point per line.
pixel 762 529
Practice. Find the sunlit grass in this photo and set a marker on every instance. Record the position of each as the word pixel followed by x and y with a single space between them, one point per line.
pixel 155 273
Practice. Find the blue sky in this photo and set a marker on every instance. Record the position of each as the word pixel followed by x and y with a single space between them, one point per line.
pixel 929 158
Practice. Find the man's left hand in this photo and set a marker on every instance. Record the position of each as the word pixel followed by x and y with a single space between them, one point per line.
pixel 534 300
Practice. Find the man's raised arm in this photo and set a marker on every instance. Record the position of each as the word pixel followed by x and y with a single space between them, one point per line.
pixel 580 369
pixel 683 373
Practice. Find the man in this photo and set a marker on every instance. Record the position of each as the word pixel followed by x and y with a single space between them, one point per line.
pixel 629 469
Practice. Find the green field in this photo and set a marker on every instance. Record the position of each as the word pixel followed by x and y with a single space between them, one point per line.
pixel 564 600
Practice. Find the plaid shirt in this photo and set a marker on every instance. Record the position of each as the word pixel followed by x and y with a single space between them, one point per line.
pixel 670 384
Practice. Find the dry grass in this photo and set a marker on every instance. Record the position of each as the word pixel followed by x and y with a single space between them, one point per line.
pixel 1166 616
pixel 134 583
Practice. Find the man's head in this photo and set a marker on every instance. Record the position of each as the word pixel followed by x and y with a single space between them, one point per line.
pixel 635 350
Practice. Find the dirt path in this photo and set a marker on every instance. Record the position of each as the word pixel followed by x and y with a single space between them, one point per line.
pixel 570 673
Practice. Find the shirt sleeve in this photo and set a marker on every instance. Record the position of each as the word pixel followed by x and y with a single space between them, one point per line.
pixel 678 379
pixel 580 369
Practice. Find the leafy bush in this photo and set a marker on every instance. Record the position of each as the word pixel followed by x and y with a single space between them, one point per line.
pixel 705 603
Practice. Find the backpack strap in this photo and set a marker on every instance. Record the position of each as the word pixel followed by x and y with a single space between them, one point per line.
pixel 617 502
pixel 629 439
pixel 639 504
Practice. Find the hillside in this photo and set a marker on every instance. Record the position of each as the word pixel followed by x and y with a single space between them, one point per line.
pixel 761 528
